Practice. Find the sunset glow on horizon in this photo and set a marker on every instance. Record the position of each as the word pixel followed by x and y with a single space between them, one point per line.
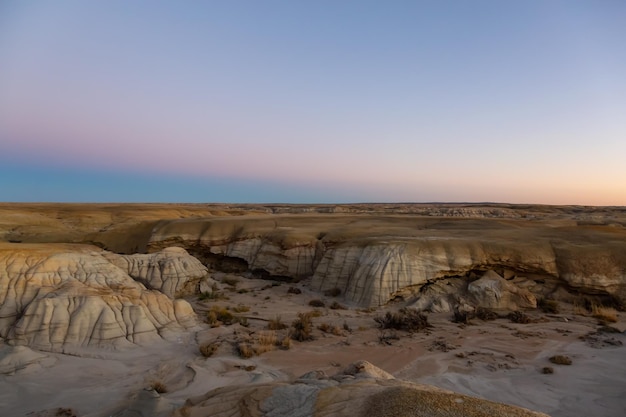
pixel 324 101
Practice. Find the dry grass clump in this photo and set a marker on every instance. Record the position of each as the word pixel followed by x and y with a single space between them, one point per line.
pixel 604 314
pixel 294 290
pixel 208 349
pixel 547 370
pixel 159 387
pixel 407 319
pixel 327 328
pixel 336 306
pixel 276 324
pixel 561 360
pixel 220 315
pixel 548 306
pixel 317 303
pixel 211 295
pixel 486 314
pixel 462 317
pixel 261 342
pixel 519 317
pixel 302 327
pixel 333 292
pixel 64 412
pixel 245 350
pixel 285 343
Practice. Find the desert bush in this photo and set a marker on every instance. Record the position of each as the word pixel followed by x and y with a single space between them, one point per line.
pixel 561 360
pixel 317 303
pixel 208 349
pixel 462 317
pixel 315 313
pixel 327 328
pixel 604 314
pixel 64 412
pixel 267 338
pixel 159 387
pixel 347 327
pixel 302 327
pixel 519 317
pixel 333 292
pixel 547 370
pixel 276 324
pixel 486 314
pixel 245 350
pixel 242 291
pixel 285 343
pixel 210 295
pixel 548 306
pixel 407 319
pixel 294 290
pixel 336 306
pixel 220 315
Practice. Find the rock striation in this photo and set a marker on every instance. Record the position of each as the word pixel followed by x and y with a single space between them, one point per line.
pixel 61 298
pixel 373 260
pixel 360 390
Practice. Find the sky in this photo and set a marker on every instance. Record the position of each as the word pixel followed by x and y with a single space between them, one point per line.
pixel 313 101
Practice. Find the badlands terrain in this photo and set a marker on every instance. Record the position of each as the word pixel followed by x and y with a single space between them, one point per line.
pixel 320 310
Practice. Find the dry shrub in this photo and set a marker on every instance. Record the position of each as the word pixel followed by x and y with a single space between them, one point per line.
pixel 561 360
pixel 317 303
pixel 267 338
pixel 208 349
pixel 327 328
pixel 245 350
pixel 462 317
pixel 347 327
pixel 548 306
pixel 285 344
pixel 302 327
pixel 64 412
pixel 486 314
pixel 232 281
pixel 519 317
pixel 336 306
pixel 220 315
pixel 547 370
pixel 407 319
pixel 315 313
pixel 605 314
pixel 159 387
pixel 276 324
pixel 294 290
pixel 333 292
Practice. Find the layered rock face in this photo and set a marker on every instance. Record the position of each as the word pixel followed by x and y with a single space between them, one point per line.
pixel 63 297
pixel 374 259
pixel 360 390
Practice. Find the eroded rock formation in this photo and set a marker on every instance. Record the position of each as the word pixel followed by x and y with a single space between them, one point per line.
pixel 375 259
pixel 64 297
pixel 361 390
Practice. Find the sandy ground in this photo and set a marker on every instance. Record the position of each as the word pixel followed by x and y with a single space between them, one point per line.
pixel 497 360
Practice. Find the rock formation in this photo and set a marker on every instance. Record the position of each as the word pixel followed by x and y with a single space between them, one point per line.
pixel 361 390
pixel 373 260
pixel 65 297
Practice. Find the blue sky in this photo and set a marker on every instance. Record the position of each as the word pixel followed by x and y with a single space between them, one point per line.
pixel 325 101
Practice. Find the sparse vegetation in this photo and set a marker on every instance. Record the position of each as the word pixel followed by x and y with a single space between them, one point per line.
pixel 336 306
pixel 462 317
pixel 519 317
pixel 302 327
pixel 561 360
pixel 276 324
pixel 604 314
pixel 327 328
pixel 347 327
pixel 244 350
pixel 406 319
pixel 333 292
pixel 547 370
pixel 285 343
pixel 208 349
pixel 486 314
pixel 211 295
pixel 65 412
pixel 294 290
pixel 317 303
pixel 548 306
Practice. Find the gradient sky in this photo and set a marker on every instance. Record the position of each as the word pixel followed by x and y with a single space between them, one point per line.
pixel 316 101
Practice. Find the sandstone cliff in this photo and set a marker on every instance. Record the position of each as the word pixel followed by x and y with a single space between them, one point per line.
pixel 374 259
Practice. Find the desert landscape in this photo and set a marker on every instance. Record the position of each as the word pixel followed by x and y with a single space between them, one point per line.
pixel 316 310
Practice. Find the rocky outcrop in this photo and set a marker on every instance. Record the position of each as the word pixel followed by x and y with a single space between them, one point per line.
pixel 360 390
pixel 375 259
pixel 494 292
pixel 172 271
pixel 65 297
